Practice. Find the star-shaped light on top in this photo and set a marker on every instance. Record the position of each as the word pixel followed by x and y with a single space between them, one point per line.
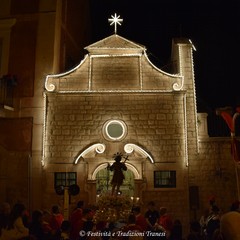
pixel 115 20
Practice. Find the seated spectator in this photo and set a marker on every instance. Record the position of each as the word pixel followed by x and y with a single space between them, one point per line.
pixel 15 228
pixel 5 210
pixel 65 230
pixel 151 215
pixel 86 224
pixel 140 219
pixel 56 219
pixel 36 227
pixel 48 231
pixel 132 230
pixel 213 222
pixel 74 219
pixel 176 233
pixel 165 221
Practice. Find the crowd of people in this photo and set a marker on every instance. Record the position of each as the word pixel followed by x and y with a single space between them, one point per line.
pixel 16 223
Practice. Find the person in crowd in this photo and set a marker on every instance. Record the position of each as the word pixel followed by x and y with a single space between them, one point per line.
pixel 230 226
pixel 213 222
pixel 74 218
pixel 26 218
pixel 195 231
pixel 56 219
pixel 86 224
pixel 5 210
pixel 151 216
pixel 109 228
pixel 203 223
pixel 48 231
pixel 65 230
pixel 140 219
pixel 176 232
pixel 165 221
pixel 117 167
pixel 132 230
pixel 15 228
pixel 36 226
pixel 235 206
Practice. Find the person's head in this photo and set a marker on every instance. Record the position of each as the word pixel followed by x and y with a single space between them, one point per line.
pixel 235 206
pixel 151 205
pixel 17 211
pixel 5 208
pixel 65 227
pixel 55 209
pixel 163 210
pixel 37 216
pixel 131 219
pixel 215 209
pixel 136 210
pixel 80 204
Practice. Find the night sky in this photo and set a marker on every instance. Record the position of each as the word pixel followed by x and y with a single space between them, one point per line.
pixel 213 27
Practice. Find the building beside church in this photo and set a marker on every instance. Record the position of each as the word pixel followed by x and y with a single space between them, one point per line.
pixel 68 124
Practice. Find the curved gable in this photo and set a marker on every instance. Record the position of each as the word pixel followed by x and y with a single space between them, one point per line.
pixel 114 64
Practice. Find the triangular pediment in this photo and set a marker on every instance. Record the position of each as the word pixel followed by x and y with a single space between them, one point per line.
pixel 115 44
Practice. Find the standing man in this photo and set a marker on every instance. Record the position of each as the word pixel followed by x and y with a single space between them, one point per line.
pixel 152 216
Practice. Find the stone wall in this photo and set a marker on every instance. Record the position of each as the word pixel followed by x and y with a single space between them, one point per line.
pixel 154 121
pixel 213 171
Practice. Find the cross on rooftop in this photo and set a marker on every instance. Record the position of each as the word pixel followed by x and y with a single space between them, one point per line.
pixel 115 20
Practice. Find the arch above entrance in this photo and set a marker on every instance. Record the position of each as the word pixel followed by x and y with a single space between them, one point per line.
pixel 129 148
pixel 105 165
pixel 97 147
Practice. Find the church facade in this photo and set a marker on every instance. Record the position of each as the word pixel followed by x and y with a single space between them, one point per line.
pixel 63 128
pixel 117 101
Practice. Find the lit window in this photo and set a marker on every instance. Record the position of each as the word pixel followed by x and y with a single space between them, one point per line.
pixel 65 179
pixel 164 179
pixel 114 130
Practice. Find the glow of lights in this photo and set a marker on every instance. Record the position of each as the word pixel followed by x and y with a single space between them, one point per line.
pixel 53 86
pixel 192 45
pixel 176 86
pixel 115 20
pixel 44 128
pixel 130 147
pixel 123 126
pixel 185 130
pixel 195 103
pixel 98 147
pixel 50 87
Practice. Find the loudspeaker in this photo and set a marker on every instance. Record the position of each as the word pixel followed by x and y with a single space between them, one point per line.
pixel 74 189
pixel 194 197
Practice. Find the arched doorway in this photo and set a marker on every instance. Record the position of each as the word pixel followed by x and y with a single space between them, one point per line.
pixel 103 182
pixel 100 180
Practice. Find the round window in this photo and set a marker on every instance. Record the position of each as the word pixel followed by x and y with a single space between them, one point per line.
pixel 114 130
